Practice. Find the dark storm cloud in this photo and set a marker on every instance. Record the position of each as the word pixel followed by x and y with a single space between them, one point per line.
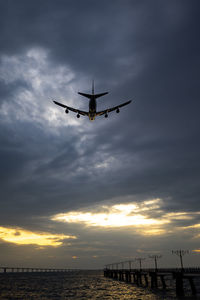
pixel 145 51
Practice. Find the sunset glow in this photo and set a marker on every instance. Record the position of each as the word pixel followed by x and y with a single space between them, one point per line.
pixel 24 237
pixel 119 215
pixel 146 218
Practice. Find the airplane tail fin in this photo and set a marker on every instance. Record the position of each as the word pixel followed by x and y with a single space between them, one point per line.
pixel 93 87
pixel 97 95
pixel 93 94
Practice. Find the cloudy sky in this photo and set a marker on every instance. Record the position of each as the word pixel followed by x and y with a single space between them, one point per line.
pixel 82 194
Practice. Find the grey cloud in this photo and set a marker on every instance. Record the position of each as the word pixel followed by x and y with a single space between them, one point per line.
pixel 8 91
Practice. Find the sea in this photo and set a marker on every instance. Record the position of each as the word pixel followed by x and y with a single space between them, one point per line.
pixel 77 285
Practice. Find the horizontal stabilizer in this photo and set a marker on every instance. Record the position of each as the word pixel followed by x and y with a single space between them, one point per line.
pixel 85 95
pixel 100 95
pixel 92 95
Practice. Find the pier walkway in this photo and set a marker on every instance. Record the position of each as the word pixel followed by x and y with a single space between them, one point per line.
pixel 151 277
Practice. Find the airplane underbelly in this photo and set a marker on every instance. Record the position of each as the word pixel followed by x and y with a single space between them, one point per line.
pixel 92 110
pixel 92 115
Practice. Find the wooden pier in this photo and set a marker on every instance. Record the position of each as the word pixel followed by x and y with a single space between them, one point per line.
pixel 151 277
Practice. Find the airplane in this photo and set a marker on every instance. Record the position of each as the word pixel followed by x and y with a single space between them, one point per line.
pixel 92 113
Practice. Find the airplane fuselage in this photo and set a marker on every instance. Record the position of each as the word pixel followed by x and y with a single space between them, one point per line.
pixel 92 108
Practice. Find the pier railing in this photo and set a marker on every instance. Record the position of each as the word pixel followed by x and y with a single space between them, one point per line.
pixel 164 270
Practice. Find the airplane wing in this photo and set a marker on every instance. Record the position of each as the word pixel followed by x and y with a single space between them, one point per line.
pixel 81 112
pixel 106 111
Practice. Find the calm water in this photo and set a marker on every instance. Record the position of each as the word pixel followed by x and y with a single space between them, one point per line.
pixel 83 285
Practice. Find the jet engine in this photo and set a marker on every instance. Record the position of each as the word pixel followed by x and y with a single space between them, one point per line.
pixel 78 116
pixel 117 111
pixel 106 115
pixel 66 110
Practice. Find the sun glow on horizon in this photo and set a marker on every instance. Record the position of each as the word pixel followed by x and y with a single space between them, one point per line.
pixel 106 220
pixel 145 218
pixel 24 237
pixel 119 215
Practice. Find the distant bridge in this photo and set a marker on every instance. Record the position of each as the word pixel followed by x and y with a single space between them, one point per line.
pixel 33 270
